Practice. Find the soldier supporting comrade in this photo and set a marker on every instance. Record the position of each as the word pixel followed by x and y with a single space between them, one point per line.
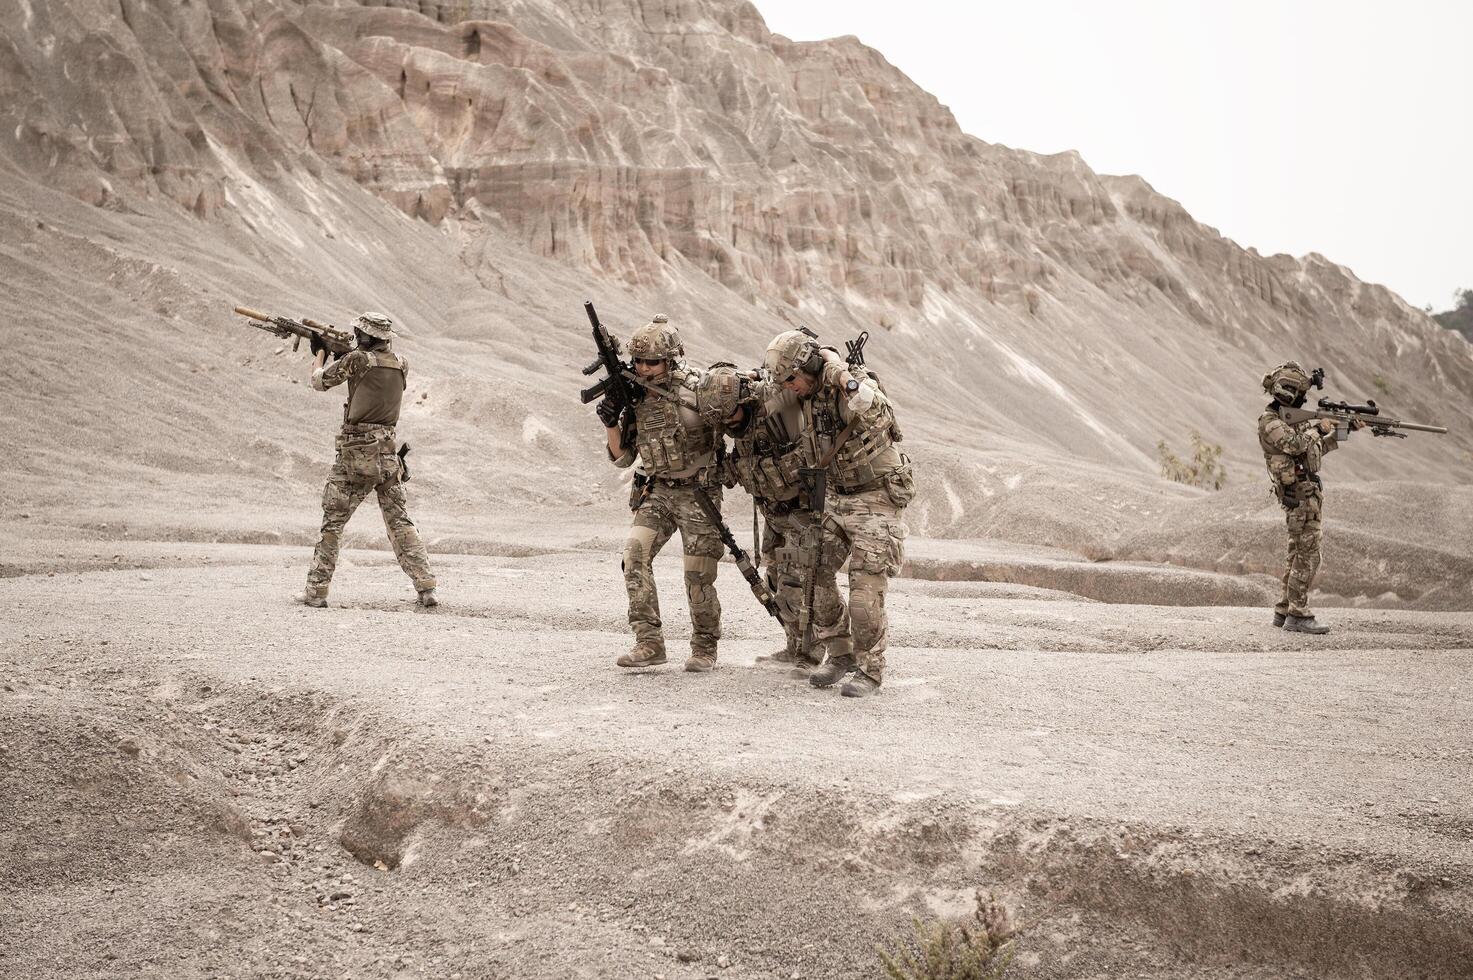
pixel 366 460
pixel 676 450
pixel 766 458
pixel 850 431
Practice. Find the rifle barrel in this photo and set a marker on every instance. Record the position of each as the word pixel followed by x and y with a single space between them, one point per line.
pixel 253 314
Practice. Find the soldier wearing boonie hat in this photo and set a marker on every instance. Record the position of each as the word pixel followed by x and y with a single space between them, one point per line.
pixel 366 459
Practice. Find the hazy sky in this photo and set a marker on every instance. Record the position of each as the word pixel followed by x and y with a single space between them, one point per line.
pixel 1343 128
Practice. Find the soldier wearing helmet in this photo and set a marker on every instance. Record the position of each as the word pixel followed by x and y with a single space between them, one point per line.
pixel 848 427
pixel 366 460
pixel 1293 453
pixel 766 454
pixel 676 450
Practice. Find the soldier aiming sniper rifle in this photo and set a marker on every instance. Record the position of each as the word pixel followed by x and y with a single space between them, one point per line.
pixel 1349 417
pixel 338 342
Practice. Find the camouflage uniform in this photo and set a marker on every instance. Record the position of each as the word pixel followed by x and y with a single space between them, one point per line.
pixel 1292 454
pixel 676 450
pixel 870 484
pixel 366 462
pixel 766 455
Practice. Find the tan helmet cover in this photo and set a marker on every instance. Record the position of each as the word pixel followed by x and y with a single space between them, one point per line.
pixel 787 354
pixel 720 393
pixel 656 340
pixel 1286 382
pixel 379 325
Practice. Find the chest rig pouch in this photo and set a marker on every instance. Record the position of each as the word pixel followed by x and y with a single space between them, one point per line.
pixel 867 456
pixel 670 437
pixel 766 466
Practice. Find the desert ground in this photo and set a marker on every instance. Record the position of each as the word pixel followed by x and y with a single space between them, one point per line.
pixel 201 777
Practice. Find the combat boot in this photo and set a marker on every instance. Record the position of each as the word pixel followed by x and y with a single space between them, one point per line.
pixel 861 685
pixel 1304 624
pixel 314 601
pixel 643 655
pixel 701 661
pixel 1278 618
pixel 427 598
pixel 786 655
pixel 802 668
pixel 832 671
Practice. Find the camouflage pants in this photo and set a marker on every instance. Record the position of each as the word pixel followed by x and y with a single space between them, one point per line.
pixel 340 498
pixel 1303 560
pixel 786 540
pixel 666 510
pixel 876 530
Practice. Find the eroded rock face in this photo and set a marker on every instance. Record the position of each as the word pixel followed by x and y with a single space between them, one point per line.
pixel 643 139
pixel 674 146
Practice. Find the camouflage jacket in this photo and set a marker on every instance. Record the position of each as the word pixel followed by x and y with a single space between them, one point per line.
pixel 1292 453
pixel 670 439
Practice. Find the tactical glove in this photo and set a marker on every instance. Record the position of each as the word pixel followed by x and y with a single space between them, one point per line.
pixel 315 342
pixel 608 413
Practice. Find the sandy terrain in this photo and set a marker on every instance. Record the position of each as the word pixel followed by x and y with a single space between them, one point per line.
pixel 1155 791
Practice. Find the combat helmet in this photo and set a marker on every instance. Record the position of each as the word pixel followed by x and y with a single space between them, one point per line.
pixel 1288 383
pixel 656 340
pixel 790 352
pixel 721 392
pixel 377 325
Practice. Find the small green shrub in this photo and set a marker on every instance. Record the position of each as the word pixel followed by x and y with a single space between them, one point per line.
pixel 1381 386
pixel 977 948
pixel 1204 470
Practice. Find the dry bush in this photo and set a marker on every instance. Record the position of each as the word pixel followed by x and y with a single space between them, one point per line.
pixel 978 948
pixel 1204 469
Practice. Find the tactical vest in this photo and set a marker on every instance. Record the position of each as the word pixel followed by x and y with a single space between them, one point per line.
pixel 375 396
pixel 766 459
pixel 671 439
pixel 868 453
pixel 1284 469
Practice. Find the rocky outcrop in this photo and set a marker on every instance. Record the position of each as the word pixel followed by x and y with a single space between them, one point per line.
pixel 679 148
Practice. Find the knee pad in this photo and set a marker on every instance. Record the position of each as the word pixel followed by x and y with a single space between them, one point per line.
pixel 701 567
pixel 637 548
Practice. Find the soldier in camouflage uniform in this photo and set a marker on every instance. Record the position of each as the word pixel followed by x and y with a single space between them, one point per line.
pixel 849 427
pixel 766 455
pixel 676 450
pixel 1292 454
pixel 366 461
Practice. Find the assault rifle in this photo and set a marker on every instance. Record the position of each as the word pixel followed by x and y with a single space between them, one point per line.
pixel 619 382
pixel 759 588
pixel 339 342
pixel 1343 414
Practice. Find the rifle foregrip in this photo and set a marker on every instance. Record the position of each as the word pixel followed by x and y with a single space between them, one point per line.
pixel 597 391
